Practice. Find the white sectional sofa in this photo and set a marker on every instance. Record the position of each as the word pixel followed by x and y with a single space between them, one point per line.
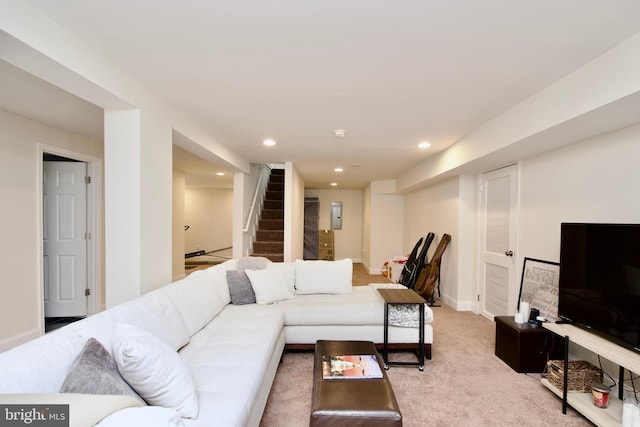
pixel 186 354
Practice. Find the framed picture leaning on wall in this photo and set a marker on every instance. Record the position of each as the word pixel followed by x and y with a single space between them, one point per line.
pixel 539 287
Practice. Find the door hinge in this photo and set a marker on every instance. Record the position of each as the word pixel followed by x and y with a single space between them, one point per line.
pixel 478 297
pixel 87 292
pixel 87 180
pixel 87 236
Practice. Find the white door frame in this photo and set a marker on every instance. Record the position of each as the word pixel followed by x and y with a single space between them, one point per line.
pixel 480 238
pixel 94 221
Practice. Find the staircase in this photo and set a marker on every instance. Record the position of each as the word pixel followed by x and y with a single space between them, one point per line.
pixel 269 241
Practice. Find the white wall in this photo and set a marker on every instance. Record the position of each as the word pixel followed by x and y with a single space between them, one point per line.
pixel 209 214
pixel 386 224
pixel 366 228
pixel 348 241
pixel 437 209
pixel 178 223
pixel 591 181
pixel 294 214
pixel 21 315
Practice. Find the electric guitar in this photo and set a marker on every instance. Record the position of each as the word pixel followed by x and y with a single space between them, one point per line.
pixel 429 276
pixel 406 271
pixel 419 263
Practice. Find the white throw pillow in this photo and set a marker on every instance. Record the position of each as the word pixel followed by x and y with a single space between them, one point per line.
pixel 154 370
pixel 269 285
pixel 288 270
pixel 324 277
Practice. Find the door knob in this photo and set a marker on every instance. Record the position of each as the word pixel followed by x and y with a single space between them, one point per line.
pixel 509 253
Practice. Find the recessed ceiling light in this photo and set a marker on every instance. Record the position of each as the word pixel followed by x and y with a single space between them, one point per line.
pixel 340 133
pixel 269 142
pixel 220 173
pixel 424 144
pixel 333 184
pixel 338 170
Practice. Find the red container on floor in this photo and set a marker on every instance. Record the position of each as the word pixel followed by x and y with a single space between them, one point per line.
pixel 600 394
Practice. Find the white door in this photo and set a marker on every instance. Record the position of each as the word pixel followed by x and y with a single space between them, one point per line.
pixel 64 230
pixel 498 284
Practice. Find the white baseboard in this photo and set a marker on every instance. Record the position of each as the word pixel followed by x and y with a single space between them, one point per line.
pixel 458 305
pixel 22 338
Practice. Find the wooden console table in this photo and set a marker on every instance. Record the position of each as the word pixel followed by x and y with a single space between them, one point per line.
pixel 583 402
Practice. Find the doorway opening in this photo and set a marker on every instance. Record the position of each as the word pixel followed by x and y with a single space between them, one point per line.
pixel 70 189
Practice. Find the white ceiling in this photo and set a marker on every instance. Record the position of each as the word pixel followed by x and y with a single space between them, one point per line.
pixel 392 74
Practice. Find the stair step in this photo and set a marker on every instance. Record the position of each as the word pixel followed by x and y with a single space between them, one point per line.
pixel 270 236
pixel 274 204
pixel 268 247
pixel 272 214
pixel 274 195
pixel 275 186
pixel 271 224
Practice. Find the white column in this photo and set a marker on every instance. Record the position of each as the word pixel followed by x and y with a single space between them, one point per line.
pixel 122 205
pixel 156 165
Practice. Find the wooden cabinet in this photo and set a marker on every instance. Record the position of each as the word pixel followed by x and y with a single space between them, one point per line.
pixel 525 346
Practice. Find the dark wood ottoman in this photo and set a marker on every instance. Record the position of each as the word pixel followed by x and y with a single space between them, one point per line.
pixel 351 402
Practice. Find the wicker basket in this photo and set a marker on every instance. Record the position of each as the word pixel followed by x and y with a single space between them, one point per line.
pixel 581 375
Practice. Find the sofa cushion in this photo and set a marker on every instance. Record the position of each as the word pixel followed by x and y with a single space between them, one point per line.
pixel 154 370
pixel 197 299
pixel 240 287
pixel 150 312
pixel 148 416
pixel 269 285
pixel 218 276
pixel 324 277
pixel 95 372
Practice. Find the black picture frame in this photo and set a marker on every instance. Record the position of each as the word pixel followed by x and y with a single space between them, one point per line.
pixel 539 286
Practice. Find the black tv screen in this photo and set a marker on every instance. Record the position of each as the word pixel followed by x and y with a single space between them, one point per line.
pixel 599 286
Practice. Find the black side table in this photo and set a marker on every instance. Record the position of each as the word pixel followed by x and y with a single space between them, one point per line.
pixel 525 347
pixel 406 297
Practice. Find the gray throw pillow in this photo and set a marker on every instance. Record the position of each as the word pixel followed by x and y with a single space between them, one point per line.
pixel 95 372
pixel 252 263
pixel 240 288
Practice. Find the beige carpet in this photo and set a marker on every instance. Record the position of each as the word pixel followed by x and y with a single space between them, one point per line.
pixel 464 384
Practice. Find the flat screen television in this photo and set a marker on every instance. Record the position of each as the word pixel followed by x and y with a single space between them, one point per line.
pixel 599 284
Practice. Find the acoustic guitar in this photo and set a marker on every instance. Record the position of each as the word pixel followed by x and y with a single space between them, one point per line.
pixel 429 276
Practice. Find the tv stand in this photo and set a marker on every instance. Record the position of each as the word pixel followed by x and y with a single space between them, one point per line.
pixel 583 402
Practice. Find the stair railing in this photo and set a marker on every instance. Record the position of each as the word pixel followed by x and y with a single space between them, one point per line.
pixel 259 193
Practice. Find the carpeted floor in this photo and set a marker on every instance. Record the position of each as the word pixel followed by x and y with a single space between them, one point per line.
pixel 464 384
